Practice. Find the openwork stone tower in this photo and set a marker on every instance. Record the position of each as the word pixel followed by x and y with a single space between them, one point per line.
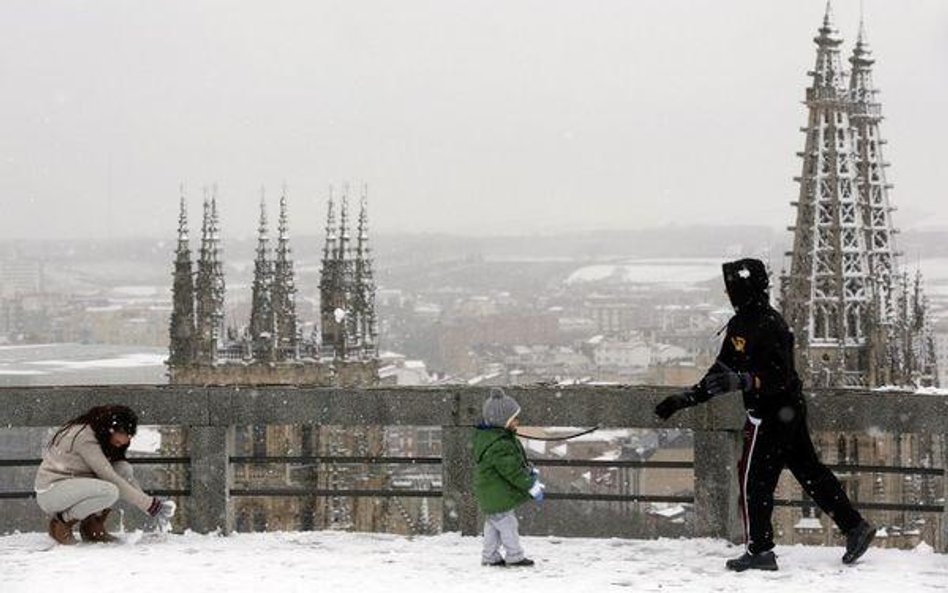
pixel 843 290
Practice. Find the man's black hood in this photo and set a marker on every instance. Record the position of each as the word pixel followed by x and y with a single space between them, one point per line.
pixel 746 282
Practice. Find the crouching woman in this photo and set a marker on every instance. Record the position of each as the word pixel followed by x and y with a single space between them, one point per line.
pixel 84 472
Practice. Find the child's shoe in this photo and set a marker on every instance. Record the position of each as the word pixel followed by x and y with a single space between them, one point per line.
pixel 523 562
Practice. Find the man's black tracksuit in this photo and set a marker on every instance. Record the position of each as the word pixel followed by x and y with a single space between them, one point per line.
pixel 759 342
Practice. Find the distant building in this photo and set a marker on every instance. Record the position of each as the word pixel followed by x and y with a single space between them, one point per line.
pixel 21 276
pixel 271 349
pixel 612 314
pixel 457 340
pixel 631 353
pixel 395 369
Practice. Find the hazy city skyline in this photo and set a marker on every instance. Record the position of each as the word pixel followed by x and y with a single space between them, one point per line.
pixel 461 117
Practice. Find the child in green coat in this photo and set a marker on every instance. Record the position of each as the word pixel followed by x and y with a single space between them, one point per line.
pixel 503 480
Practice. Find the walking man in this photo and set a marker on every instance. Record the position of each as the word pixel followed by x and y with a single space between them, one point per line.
pixel 757 359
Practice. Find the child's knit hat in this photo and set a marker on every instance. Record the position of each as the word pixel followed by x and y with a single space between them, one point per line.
pixel 500 408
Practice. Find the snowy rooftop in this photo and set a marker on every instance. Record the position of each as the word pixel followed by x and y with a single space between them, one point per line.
pixel 333 561
pixel 651 271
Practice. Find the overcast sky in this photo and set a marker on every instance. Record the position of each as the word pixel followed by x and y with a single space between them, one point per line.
pixel 461 116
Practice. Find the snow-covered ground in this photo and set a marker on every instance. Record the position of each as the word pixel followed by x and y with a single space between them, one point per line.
pixel 366 563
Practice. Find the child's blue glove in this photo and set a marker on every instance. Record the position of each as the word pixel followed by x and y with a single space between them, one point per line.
pixel 536 491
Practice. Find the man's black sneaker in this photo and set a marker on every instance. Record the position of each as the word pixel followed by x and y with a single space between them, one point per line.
pixel 500 562
pixel 763 561
pixel 524 562
pixel 857 541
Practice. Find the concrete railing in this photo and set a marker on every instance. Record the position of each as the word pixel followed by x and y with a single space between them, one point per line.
pixel 211 413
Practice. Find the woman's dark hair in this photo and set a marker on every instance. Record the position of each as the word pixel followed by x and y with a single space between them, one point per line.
pixel 104 420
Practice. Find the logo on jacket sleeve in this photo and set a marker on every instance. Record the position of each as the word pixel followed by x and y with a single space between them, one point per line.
pixel 739 343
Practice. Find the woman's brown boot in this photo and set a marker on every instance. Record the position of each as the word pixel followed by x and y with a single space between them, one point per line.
pixel 61 530
pixel 92 528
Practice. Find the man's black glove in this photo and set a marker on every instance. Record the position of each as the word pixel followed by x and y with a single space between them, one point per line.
pixel 725 382
pixel 673 403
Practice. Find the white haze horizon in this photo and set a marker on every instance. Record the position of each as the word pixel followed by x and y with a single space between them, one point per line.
pixel 531 116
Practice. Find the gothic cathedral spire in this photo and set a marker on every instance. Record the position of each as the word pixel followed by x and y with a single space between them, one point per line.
pixel 844 295
pixel 827 293
pixel 346 288
pixel 209 285
pixel 333 293
pixel 262 327
pixel 364 283
pixel 182 296
pixel 283 293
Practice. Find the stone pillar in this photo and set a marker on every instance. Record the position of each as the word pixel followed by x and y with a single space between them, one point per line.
pixel 942 546
pixel 717 512
pixel 459 508
pixel 210 508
